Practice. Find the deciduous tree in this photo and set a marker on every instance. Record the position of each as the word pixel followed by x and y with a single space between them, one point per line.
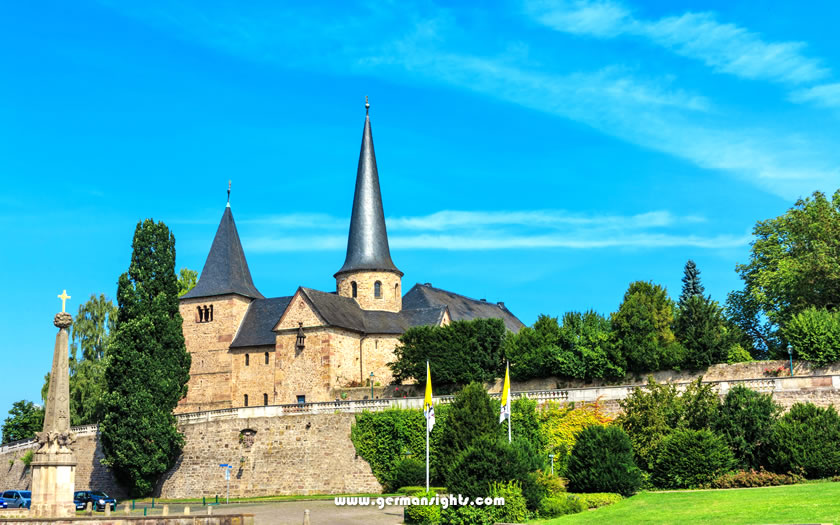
pixel 25 418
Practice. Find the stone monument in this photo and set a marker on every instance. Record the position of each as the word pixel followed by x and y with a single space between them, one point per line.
pixel 54 465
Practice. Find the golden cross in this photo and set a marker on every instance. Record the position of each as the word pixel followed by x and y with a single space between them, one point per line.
pixel 63 298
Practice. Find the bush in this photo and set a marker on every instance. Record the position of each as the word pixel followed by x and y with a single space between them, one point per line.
pixel 602 461
pixel 424 514
pixel 651 413
pixel 411 490
pixel 806 440
pixel 407 472
pixel 494 459
pixel 27 457
pixel 753 478
pixel 469 515
pixel 737 354
pixel 689 459
pixel 745 421
pixel 515 509
pixel 472 416
pixel 551 485
pixel 815 335
pixel 599 499
pixel 560 426
pixel 561 505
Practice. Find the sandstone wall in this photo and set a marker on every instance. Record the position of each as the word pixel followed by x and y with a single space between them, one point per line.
pixel 306 454
pixel 390 298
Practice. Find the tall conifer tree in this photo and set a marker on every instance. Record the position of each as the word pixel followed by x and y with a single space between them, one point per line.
pixel 149 366
pixel 691 283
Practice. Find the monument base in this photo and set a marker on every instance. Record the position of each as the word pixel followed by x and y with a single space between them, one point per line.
pixel 53 482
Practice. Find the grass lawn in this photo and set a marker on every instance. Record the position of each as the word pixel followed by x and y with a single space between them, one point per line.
pixel 805 503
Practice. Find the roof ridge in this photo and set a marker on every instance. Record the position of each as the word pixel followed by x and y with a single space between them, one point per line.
pixel 479 301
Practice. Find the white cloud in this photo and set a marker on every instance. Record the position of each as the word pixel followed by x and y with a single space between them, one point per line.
pixel 824 95
pixel 725 47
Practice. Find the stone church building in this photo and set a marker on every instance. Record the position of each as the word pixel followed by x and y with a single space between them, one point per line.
pixel 249 350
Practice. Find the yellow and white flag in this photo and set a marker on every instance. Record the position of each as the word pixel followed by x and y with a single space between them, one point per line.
pixel 428 408
pixel 506 396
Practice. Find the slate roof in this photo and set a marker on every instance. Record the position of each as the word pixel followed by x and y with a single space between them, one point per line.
pixel 259 320
pixel 225 270
pixel 461 308
pixel 367 242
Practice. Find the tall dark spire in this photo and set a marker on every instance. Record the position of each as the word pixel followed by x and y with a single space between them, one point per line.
pixel 226 270
pixel 367 244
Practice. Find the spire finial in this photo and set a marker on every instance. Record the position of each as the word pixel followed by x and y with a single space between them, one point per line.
pixel 367 104
pixel 228 202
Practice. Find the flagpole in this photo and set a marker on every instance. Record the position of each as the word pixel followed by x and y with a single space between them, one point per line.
pixel 510 412
pixel 427 456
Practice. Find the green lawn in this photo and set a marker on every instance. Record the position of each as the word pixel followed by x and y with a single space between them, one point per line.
pixel 805 503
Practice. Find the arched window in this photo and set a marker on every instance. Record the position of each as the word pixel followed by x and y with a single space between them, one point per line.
pixel 211 312
pixel 266 358
pixel 355 289
pixel 377 290
pixel 247 359
pixel 200 317
pixel 396 291
pixel 246 399
pixel 265 399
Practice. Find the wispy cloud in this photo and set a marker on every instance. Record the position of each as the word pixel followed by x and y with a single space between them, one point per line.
pixel 824 95
pixel 725 47
pixel 500 230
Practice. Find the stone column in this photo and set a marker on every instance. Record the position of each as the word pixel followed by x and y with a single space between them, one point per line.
pixel 54 465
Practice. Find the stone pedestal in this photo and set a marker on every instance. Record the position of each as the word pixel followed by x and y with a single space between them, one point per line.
pixel 54 465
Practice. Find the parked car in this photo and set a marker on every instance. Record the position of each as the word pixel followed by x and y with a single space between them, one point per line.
pixel 15 499
pixel 98 499
pixel 3 504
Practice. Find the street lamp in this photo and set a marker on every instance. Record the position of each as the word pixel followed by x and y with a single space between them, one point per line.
pixel 371 385
pixel 790 355
pixel 552 463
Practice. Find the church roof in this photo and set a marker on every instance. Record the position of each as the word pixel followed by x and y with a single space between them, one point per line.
pixel 225 270
pixel 259 320
pixel 461 308
pixel 367 243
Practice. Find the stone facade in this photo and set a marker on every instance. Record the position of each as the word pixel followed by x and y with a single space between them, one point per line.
pixel 390 288
pixel 208 342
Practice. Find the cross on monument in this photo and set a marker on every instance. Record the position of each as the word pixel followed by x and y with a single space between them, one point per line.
pixel 63 298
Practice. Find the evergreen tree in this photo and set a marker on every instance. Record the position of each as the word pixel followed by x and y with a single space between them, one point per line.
pixel 472 414
pixel 691 283
pixel 701 328
pixel 148 366
pixel 641 329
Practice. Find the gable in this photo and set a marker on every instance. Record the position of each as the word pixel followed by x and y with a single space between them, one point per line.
pixel 299 310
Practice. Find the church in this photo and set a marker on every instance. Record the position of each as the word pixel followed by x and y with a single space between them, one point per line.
pixel 249 350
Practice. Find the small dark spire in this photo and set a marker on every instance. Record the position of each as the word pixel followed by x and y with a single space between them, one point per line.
pixel 228 202
pixel 367 243
pixel 367 105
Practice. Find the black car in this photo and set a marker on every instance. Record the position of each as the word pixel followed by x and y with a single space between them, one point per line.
pixel 98 499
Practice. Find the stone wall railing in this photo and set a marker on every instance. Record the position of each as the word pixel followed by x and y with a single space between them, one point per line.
pixel 577 395
pixel 23 444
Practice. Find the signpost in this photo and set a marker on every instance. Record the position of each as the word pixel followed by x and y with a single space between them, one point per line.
pixel 227 478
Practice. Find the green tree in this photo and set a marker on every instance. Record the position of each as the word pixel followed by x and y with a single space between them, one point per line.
pixel 472 414
pixel 701 328
pixel 460 352
pixel 187 279
pixel 534 350
pixel 815 335
pixel 691 283
pixel 25 418
pixel 745 421
pixel 806 440
pixel 688 459
pixel 148 367
pixel 585 348
pixel 755 332
pixel 602 461
pixel 794 262
pixel 641 328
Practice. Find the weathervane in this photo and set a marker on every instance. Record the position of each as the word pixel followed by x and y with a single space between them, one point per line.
pixel 228 202
pixel 367 104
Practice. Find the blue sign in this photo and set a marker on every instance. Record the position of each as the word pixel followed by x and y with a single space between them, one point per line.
pixel 225 465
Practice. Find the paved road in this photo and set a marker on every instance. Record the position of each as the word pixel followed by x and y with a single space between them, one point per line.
pixel 323 512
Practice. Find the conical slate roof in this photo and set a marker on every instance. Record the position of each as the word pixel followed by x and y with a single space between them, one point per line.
pixel 226 270
pixel 367 244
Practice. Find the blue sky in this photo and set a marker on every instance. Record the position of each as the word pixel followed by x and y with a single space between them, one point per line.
pixel 544 153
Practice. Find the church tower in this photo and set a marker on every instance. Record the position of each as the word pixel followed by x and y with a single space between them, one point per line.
pixel 369 275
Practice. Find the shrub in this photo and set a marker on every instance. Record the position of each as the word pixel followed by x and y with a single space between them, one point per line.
pixel 525 422
pixel 651 413
pixel 690 458
pixel 469 515
pixel 561 505
pixel 560 426
pixel 472 416
pixel 745 421
pixel 551 485
pixel 407 472
pixel 534 349
pixel 753 478
pixel 737 354
pixel 494 459
pixel 602 461
pixel 515 509
pixel 410 490
pixel 27 457
pixel 806 440
pixel 599 499
pixel 424 514
pixel 815 335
